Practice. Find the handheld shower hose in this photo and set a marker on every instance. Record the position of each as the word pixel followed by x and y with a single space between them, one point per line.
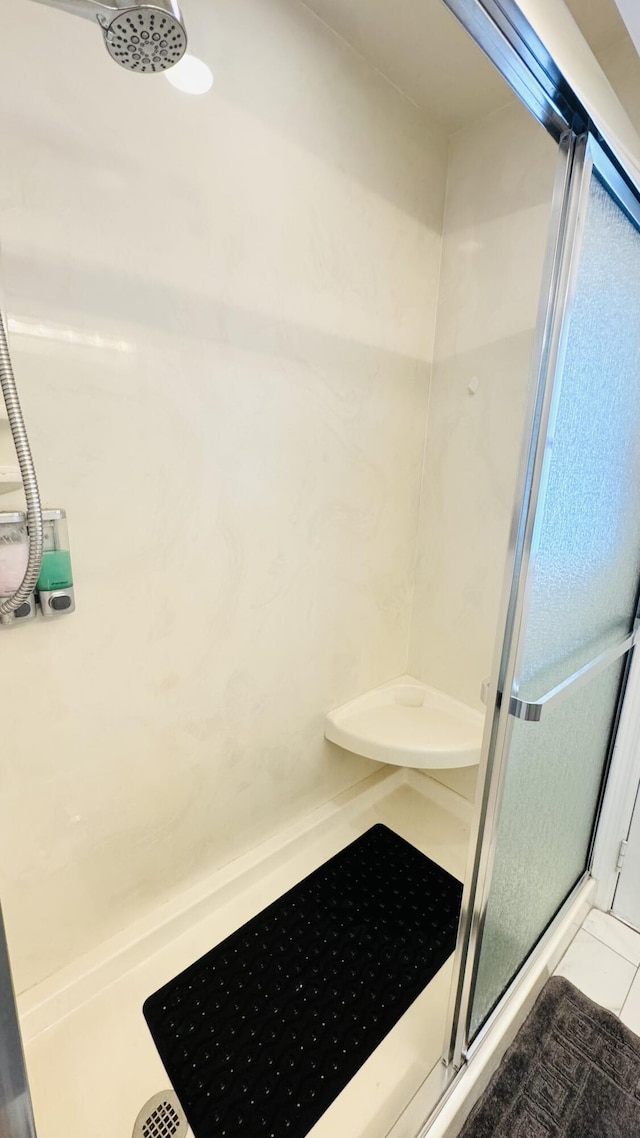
pixel 141 35
pixel 27 471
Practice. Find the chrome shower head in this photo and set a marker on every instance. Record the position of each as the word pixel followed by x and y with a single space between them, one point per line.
pixel 139 36
pixel 145 38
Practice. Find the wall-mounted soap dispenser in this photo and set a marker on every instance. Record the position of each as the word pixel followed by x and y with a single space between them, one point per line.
pixel 55 583
pixel 14 554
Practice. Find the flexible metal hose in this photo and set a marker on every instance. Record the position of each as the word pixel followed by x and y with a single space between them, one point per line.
pixel 29 480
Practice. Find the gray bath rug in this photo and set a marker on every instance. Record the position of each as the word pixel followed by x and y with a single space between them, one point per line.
pixel 573 1071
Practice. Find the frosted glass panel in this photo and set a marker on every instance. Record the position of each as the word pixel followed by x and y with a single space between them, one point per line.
pixel 551 795
pixel 584 578
pixel 587 545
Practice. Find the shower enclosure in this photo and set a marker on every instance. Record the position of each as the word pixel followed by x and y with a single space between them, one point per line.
pixel 571 615
pixel 567 623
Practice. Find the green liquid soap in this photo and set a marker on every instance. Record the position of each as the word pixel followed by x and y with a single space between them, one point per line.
pixel 55 572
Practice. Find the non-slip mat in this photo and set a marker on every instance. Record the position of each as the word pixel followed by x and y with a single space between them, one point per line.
pixel 260 1035
pixel 573 1071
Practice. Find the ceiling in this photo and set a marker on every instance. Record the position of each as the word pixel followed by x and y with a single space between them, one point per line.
pixel 599 21
pixel 631 14
pixel 422 49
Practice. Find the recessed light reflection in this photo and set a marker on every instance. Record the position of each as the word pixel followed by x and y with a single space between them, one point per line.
pixel 190 75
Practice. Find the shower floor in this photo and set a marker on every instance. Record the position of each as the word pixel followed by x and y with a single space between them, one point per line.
pixel 91 1060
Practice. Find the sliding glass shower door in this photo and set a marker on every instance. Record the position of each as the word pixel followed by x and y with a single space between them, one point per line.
pixel 571 617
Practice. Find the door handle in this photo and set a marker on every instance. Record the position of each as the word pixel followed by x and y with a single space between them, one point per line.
pixel 531 710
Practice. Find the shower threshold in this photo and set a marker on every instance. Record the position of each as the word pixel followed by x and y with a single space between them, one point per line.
pixel 91 1060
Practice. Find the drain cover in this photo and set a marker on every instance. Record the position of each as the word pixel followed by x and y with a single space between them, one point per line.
pixel 161 1117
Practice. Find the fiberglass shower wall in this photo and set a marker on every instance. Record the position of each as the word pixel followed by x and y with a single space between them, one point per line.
pixel 222 321
pixel 499 187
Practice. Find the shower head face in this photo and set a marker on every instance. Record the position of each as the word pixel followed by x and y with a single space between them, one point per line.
pixel 145 38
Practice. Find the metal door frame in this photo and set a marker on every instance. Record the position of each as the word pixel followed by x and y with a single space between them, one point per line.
pixel 16 1111
pixel 621 862
pixel 581 158
pixel 507 38
pixel 618 806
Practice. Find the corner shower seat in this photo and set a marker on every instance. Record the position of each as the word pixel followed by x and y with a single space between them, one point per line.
pixel 409 724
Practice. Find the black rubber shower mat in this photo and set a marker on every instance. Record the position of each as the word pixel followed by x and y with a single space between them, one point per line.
pixel 260 1035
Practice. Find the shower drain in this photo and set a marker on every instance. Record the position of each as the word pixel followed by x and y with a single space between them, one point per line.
pixel 161 1117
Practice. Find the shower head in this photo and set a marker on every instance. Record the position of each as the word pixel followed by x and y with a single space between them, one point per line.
pixel 139 36
pixel 146 37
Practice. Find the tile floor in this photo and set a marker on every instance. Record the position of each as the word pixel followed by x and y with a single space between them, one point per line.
pixel 603 961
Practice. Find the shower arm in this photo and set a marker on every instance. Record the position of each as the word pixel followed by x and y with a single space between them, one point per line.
pixel 88 9
pixel 94 10
pixel 8 605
